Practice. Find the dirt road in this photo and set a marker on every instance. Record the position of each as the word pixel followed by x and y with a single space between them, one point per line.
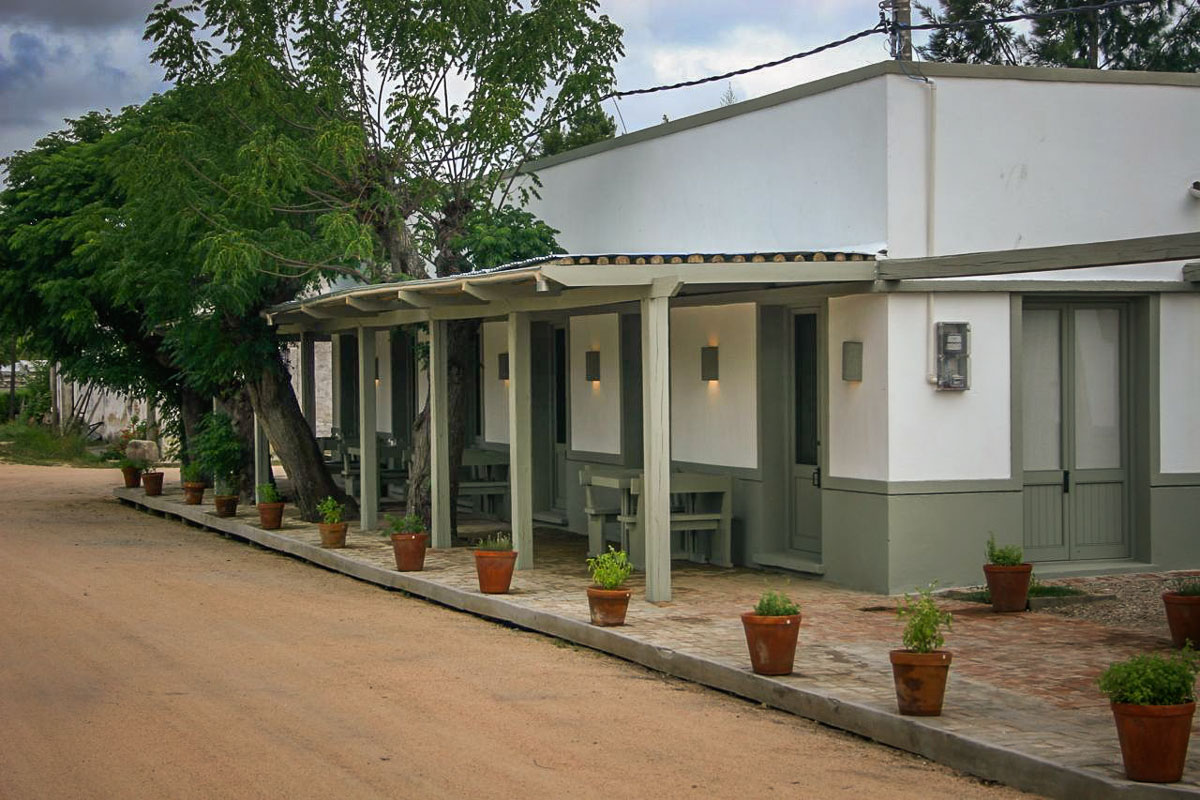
pixel 140 658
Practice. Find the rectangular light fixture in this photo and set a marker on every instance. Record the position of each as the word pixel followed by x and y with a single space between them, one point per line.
pixel 502 367
pixel 852 361
pixel 709 364
pixel 591 366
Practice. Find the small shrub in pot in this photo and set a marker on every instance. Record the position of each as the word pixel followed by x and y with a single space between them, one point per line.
pixel 1153 699
pixel 772 630
pixel 192 477
pixel 409 541
pixel 1007 576
pixel 608 601
pixel 270 506
pixel 494 563
pixel 332 528
pixel 921 668
pixel 1182 606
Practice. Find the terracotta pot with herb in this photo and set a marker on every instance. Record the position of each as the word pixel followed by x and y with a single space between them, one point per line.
pixel 152 481
pixel 131 471
pixel 1153 700
pixel 921 668
pixel 270 507
pixel 332 528
pixel 608 601
pixel 1007 577
pixel 410 540
pixel 772 630
pixel 192 478
pixel 1182 605
pixel 494 563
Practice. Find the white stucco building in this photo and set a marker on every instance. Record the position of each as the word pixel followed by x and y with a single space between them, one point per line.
pixel 837 243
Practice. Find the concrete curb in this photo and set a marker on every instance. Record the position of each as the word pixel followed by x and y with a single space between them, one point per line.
pixel 922 736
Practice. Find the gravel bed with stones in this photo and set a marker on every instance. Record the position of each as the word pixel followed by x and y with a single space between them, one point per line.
pixel 1137 601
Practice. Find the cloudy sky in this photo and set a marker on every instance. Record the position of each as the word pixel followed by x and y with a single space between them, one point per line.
pixel 61 58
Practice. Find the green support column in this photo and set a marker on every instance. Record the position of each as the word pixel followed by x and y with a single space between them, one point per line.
pixel 439 436
pixel 655 511
pixel 520 437
pixel 368 465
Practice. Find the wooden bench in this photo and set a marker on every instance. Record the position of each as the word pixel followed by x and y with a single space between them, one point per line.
pixel 598 514
pixel 689 492
pixel 478 477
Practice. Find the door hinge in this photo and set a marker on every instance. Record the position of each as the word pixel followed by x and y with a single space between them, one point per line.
pixel 816 476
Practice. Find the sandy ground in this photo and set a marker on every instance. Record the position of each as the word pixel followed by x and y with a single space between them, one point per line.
pixel 142 658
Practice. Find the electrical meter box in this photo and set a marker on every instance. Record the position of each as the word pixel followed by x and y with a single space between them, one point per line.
pixel 953 354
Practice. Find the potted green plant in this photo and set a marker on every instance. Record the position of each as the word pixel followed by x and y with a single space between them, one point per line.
pixel 131 471
pixel 191 475
pixel 920 669
pixel 152 481
pixel 270 507
pixel 1153 698
pixel 608 602
pixel 219 450
pixel 772 629
pixel 1182 605
pixel 494 562
pixel 409 541
pixel 1007 576
pixel 331 526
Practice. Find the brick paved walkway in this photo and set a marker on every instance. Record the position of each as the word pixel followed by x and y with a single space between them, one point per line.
pixel 1022 683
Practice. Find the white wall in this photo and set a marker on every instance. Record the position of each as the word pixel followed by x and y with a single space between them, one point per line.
pixel 949 435
pixel 494 340
pixel 322 380
pixel 1022 163
pixel 595 405
pixel 715 422
pixel 804 174
pixel 1179 383
pixel 858 421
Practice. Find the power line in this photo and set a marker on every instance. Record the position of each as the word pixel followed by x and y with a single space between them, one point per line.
pixel 884 26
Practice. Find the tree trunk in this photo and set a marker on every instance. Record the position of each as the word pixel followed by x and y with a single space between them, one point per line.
pixel 461 335
pixel 239 409
pixel 54 395
pixel 12 383
pixel 192 407
pixel 279 413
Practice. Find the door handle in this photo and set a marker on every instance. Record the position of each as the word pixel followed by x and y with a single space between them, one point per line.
pixel 1066 481
pixel 816 477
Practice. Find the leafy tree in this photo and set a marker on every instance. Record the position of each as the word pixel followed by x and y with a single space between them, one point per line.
pixel 589 124
pixel 376 136
pixel 1162 35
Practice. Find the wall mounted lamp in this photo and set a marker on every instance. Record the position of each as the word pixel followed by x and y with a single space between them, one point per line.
pixel 591 366
pixel 376 371
pixel 709 364
pixel 502 367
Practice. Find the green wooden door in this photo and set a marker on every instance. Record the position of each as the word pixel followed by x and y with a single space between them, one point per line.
pixel 805 446
pixel 1075 431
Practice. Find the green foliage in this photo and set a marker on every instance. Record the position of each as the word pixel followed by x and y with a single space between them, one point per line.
pixel 331 510
pixel 776 604
pixel 140 464
pixel 497 541
pixel 611 569
pixel 1152 680
pixel 409 523
pixel 1163 35
pixel 924 621
pixel 37 444
pixel 1188 586
pixel 1007 556
pixel 218 449
pixel 586 126
pixel 491 238
pixel 191 473
pixel 267 493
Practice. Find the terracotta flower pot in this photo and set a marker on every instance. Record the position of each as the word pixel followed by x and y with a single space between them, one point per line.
pixel 270 516
pixel 495 569
pixel 193 493
pixel 1154 740
pixel 152 483
pixel 332 535
pixel 1183 617
pixel 772 642
pixel 1009 586
pixel 920 681
pixel 608 606
pixel 409 549
pixel 132 476
pixel 226 504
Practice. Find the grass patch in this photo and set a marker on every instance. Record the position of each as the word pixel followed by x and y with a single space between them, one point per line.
pixel 1036 589
pixel 37 444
